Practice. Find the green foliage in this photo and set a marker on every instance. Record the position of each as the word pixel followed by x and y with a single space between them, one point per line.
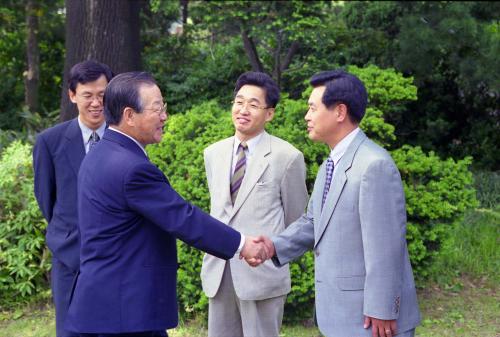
pixel 471 249
pixel 488 188
pixel 438 193
pixel 13 59
pixel 24 260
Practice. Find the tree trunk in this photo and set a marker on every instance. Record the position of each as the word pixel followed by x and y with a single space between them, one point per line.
pixel 184 10
pixel 103 30
pixel 32 73
pixel 277 58
pixel 251 51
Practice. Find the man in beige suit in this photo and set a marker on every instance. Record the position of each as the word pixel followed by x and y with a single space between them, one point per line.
pixel 257 186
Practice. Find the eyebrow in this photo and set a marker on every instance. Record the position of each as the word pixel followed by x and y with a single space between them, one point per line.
pixel 250 99
pixel 85 92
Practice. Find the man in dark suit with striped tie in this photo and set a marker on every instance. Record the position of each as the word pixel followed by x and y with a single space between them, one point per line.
pixel 57 156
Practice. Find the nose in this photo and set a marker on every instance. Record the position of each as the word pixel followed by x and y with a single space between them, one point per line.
pixel 164 116
pixel 307 116
pixel 96 100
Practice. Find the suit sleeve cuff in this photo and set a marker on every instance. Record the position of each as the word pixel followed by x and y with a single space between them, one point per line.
pixel 242 243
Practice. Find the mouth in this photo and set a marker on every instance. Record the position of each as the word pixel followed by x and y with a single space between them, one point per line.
pixel 242 120
pixel 96 113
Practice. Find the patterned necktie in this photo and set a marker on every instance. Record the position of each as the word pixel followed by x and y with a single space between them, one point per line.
pixel 328 180
pixel 94 138
pixel 239 170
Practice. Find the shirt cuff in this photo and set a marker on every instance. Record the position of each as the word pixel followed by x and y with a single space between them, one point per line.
pixel 242 243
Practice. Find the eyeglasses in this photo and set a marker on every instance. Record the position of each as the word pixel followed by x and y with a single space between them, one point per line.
pixel 160 111
pixel 251 107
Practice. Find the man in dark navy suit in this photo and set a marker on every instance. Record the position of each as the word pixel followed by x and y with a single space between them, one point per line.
pixel 57 156
pixel 129 219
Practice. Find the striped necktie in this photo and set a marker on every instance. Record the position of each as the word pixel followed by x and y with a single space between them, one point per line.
pixel 328 180
pixel 239 170
pixel 94 138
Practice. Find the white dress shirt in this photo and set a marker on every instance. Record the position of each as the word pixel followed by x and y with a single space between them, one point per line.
pixel 87 132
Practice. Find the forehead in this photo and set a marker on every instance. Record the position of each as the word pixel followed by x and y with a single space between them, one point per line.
pixel 317 95
pixel 251 92
pixel 97 85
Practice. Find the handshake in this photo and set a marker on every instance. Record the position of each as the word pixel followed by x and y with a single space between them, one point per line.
pixel 256 250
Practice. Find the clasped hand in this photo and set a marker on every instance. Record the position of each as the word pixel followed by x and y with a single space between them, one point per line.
pixel 256 250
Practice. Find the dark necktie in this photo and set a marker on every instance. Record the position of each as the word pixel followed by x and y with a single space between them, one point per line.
pixel 94 138
pixel 328 179
pixel 239 170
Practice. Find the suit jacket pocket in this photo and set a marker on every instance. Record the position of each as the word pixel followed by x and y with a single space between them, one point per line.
pixel 265 193
pixel 351 283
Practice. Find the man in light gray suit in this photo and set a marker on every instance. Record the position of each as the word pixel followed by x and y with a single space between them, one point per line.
pixel 257 185
pixel 355 222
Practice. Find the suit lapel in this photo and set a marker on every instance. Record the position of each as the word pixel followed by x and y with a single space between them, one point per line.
pixel 317 195
pixel 337 185
pixel 74 149
pixel 254 170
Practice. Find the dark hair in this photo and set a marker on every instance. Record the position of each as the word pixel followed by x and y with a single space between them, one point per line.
pixel 122 92
pixel 263 81
pixel 87 71
pixel 343 87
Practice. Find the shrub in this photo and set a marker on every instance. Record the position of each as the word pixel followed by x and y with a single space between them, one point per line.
pixel 438 193
pixel 24 260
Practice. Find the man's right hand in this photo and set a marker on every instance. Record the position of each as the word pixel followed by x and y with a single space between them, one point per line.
pixel 253 251
pixel 268 244
pixel 268 250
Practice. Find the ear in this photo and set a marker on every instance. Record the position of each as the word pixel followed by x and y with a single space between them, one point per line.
pixel 72 96
pixel 129 116
pixel 341 112
pixel 270 114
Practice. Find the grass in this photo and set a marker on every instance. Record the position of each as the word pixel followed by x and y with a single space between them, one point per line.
pixel 474 310
pixel 472 249
pixel 461 299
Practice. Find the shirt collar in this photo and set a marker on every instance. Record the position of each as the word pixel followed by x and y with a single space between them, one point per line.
pixel 86 131
pixel 251 143
pixel 135 141
pixel 339 149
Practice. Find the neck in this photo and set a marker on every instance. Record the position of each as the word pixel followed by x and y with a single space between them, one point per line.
pixel 128 132
pixel 343 132
pixel 92 127
pixel 246 138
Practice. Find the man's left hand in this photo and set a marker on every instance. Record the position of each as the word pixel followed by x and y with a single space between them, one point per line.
pixel 381 327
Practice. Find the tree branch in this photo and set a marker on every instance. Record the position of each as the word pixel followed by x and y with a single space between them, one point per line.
pixel 289 56
pixel 251 51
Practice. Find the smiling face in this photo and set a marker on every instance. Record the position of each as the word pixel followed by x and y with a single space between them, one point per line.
pixel 88 98
pixel 250 113
pixel 148 124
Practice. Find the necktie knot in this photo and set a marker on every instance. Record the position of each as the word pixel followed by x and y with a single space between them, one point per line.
pixel 243 146
pixel 93 139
